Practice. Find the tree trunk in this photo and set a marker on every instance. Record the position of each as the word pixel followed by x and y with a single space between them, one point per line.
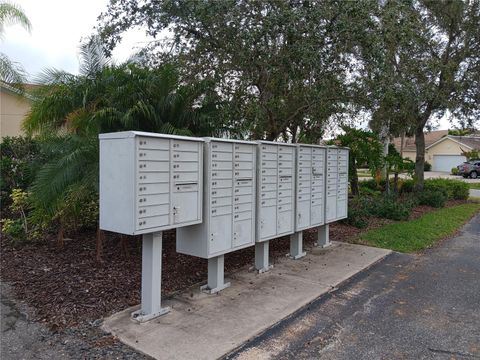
pixel 387 181
pixel 60 242
pixel 402 138
pixel 99 244
pixel 420 158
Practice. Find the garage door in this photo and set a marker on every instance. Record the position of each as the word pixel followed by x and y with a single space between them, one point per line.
pixel 446 162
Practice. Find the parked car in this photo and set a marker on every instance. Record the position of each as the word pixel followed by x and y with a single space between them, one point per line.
pixel 470 169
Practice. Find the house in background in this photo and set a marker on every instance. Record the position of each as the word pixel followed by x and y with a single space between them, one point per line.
pixel 443 151
pixel 14 106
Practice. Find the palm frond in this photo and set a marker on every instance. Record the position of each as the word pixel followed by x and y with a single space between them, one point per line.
pixel 12 14
pixel 11 72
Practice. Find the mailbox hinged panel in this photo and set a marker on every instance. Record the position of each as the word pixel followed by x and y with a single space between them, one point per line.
pixel 310 186
pixel 149 182
pixel 229 201
pixel 275 189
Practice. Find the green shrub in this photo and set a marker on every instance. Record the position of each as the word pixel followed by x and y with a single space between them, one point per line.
pixel 407 186
pixel 453 189
pixel 454 171
pixel 359 211
pixel 427 166
pixel 21 157
pixel 432 198
pixel 389 207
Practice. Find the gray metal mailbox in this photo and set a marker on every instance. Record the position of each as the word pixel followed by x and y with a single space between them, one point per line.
pixel 149 183
pixel 229 207
pixel 276 196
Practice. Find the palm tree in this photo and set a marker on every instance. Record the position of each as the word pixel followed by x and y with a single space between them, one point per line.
pixel 11 14
pixel 103 98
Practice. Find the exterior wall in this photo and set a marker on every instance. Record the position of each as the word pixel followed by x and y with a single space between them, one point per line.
pixel 446 147
pixel 410 154
pixel 13 109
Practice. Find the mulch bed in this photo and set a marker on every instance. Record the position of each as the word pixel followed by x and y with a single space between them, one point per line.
pixel 67 287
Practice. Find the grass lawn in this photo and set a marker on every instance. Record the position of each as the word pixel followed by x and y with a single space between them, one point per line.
pixel 474 185
pixel 419 234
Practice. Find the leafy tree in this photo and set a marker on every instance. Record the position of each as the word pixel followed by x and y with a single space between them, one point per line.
pixel 365 149
pixel 71 110
pixel 425 60
pixel 281 67
pixel 396 164
pixel 11 14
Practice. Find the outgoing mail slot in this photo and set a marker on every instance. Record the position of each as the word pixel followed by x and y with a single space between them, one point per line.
pixel 154 210
pixel 154 155
pixel 243 156
pixel 185 166
pixel 160 188
pixel 144 200
pixel 185 177
pixel 221 192
pixel 154 177
pixel 243 183
pixel 185 156
pixel 243 190
pixel 152 143
pixel 179 145
pixel 222 156
pixel 185 188
pixel 148 166
pixel 222 165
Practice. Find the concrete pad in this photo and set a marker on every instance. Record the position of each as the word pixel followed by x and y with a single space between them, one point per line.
pixel 202 326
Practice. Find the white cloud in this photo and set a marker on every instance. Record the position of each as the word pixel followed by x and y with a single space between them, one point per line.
pixel 57 29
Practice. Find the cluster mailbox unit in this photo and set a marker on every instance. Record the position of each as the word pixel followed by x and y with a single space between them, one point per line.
pixel 150 183
pixel 221 195
pixel 228 207
pixel 276 196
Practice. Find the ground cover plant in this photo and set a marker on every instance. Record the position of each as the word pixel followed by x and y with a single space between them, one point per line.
pixel 421 233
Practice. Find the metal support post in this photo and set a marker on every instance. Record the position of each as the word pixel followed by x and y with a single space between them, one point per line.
pixel 215 275
pixel 151 279
pixel 261 257
pixel 296 245
pixel 323 236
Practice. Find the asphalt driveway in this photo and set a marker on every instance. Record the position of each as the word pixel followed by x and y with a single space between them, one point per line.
pixel 424 306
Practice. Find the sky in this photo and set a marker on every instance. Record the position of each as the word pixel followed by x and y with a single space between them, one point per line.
pixel 57 30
